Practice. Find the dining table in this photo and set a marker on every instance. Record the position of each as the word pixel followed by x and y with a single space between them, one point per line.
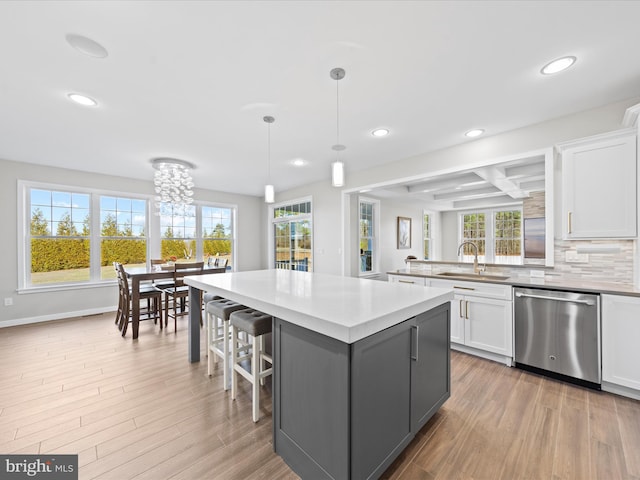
pixel 141 274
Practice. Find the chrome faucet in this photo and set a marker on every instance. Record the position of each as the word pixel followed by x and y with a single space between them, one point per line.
pixel 476 268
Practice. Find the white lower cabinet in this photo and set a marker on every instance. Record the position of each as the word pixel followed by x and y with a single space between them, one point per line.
pixel 620 340
pixel 481 318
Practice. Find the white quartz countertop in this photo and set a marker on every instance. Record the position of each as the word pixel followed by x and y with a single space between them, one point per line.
pixel 345 308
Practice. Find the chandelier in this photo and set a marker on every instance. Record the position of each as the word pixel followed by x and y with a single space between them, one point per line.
pixel 173 184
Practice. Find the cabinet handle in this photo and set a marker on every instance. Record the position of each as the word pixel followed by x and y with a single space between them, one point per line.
pixel 463 288
pixel 568 222
pixel 405 281
pixel 466 310
pixel 461 309
pixel 415 329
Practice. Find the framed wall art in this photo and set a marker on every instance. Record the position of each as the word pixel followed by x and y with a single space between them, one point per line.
pixel 404 233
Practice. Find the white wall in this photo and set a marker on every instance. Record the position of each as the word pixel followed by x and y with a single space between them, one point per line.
pixel 327 223
pixel 60 304
pixel 392 258
pixel 328 206
pixel 450 240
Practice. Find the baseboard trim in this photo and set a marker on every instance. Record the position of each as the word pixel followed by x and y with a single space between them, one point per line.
pixel 620 390
pixel 495 357
pixel 56 316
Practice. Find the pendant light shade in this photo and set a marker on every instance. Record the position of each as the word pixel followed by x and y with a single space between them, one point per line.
pixel 337 174
pixel 269 191
pixel 337 167
pixel 269 194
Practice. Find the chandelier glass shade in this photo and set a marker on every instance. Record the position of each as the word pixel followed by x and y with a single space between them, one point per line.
pixel 173 183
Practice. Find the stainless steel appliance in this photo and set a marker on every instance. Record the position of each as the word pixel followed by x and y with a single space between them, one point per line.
pixel 557 333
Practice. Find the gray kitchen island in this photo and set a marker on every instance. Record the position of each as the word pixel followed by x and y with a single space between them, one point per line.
pixel 359 365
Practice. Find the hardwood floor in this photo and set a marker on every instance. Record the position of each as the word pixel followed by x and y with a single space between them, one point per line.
pixel 138 409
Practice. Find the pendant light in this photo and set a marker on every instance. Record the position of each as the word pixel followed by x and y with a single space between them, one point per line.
pixel 269 193
pixel 337 167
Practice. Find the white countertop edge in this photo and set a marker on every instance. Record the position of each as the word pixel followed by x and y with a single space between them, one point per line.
pixel 344 333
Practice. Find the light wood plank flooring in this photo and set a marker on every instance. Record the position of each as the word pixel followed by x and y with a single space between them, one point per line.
pixel 138 409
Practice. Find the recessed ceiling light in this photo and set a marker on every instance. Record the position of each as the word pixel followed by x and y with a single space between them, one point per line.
pixel 83 99
pixel 474 133
pixel 298 162
pixel 558 65
pixel 380 132
pixel 86 45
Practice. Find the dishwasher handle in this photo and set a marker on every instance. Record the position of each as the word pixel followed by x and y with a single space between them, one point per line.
pixel 590 303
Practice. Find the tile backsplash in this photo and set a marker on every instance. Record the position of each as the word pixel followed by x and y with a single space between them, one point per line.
pixel 610 267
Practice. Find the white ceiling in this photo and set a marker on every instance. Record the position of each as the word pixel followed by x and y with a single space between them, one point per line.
pixel 193 80
pixel 505 183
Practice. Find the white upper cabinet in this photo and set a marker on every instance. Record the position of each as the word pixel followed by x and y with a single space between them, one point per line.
pixel 599 184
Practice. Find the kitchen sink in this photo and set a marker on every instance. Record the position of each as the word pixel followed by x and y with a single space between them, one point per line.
pixel 472 276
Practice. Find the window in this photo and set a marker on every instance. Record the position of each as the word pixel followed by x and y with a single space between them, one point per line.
pixel 59 237
pixel 508 237
pixel 366 236
pixel 497 233
pixel 217 233
pixel 474 230
pixel 73 235
pixel 426 236
pixel 123 223
pixel 292 236
pixel 178 228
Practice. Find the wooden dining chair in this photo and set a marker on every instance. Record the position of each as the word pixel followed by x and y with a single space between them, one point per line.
pixel 178 293
pixel 151 294
pixel 221 262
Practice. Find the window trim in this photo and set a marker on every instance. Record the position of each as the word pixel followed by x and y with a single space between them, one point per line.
pixel 375 254
pixel 153 234
pixel 24 223
pixel 272 221
pixel 490 230
pixel 426 213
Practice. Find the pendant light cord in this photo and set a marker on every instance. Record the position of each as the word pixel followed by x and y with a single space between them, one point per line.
pixel 269 152
pixel 337 117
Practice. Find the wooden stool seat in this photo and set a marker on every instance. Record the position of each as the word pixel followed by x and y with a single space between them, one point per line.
pixel 256 324
pixel 218 312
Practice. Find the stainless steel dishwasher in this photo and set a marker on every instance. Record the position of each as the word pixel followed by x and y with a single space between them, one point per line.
pixel 557 333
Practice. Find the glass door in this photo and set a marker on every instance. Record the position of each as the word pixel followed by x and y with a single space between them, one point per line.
pixel 293 245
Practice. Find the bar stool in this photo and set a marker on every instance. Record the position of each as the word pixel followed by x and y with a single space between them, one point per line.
pixel 219 310
pixel 210 297
pixel 256 324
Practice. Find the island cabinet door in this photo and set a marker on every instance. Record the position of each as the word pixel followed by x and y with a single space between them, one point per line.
pixel 431 379
pixel 380 399
pixel 311 402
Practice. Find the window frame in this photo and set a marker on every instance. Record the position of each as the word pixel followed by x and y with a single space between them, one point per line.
pixel 490 232
pixel 153 234
pixel 272 221
pixel 427 234
pixel 375 242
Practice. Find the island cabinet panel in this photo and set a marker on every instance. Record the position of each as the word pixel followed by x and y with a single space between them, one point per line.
pixel 381 399
pixel 346 411
pixel 310 413
pixel 431 367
